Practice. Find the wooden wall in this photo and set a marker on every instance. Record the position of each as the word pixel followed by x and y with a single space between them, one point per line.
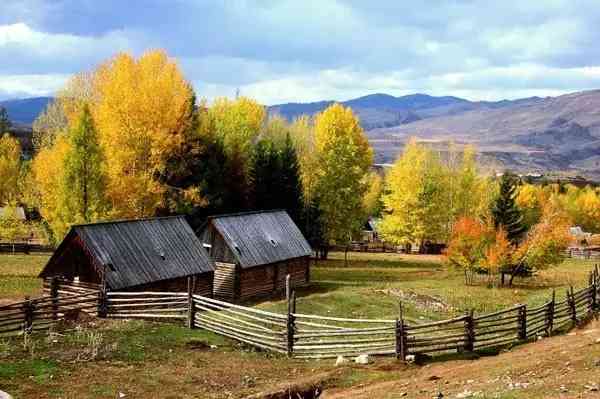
pixel 235 284
pixel 219 251
pixel 203 285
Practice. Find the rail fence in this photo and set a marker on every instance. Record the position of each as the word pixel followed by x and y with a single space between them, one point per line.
pixel 25 248
pixel 62 302
pixel 309 336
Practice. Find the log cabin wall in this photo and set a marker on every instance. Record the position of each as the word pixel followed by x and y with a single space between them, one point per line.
pixel 218 249
pixel 203 285
pixel 267 280
pixel 225 281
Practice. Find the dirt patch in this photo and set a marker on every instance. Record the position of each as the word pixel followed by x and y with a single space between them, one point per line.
pixel 421 301
pixel 559 367
pixel 306 388
pixel 195 344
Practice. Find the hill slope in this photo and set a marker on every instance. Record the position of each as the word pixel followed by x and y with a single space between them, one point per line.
pixel 24 111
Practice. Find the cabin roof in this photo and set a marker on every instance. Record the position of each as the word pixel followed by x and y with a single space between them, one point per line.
pixel 262 237
pixel 135 252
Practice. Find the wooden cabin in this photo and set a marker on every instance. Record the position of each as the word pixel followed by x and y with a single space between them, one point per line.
pixel 253 253
pixel 157 254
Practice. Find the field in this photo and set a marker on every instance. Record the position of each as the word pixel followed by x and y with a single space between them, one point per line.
pixel 100 358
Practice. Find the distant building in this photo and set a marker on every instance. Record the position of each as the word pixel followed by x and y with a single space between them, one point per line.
pixel 253 252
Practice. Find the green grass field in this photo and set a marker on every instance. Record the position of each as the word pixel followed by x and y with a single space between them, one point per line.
pixel 18 275
pixel 372 285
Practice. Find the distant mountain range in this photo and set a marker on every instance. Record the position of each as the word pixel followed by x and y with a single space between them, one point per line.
pixel 559 134
pixel 24 111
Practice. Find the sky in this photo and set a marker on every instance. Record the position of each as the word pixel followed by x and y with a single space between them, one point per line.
pixel 299 51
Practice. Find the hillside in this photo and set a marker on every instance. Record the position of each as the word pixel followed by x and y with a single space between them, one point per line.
pixel 24 111
pixel 555 133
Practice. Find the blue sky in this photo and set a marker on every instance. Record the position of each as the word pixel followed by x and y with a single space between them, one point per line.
pixel 279 51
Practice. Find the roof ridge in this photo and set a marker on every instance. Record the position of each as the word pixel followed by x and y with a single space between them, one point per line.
pixel 245 213
pixel 118 221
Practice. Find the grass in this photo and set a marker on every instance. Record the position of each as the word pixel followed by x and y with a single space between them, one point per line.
pixel 371 286
pixel 105 357
pixel 19 275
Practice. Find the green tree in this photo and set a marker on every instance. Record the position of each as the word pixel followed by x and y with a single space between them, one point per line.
pixel 344 158
pixel 505 211
pixel 275 178
pixel 85 181
pixel 5 123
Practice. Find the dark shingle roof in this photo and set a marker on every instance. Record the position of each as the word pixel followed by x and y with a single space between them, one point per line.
pixel 259 238
pixel 141 251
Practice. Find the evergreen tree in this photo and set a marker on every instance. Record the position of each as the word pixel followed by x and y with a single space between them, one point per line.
pixel 275 178
pixel 84 193
pixel 505 211
pixel 5 123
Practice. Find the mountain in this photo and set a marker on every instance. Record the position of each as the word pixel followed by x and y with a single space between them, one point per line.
pixel 24 111
pixel 529 135
pixel 382 110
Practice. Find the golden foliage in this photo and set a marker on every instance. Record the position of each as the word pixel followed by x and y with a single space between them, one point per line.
pixel 10 169
pixel 142 109
pixel 344 157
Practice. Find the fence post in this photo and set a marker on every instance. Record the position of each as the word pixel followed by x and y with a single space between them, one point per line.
pixel 290 324
pixel 469 331
pixel 54 296
pixel 594 287
pixel 571 301
pixel 550 314
pixel 191 285
pixel 400 337
pixel 522 322
pixel 102 302
pixel 28 309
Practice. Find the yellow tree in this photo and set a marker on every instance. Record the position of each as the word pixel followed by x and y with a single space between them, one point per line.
pixel 10 169
pixel 415 201
pixel 142 108
pixel 48 178
pixel 372 199
pixel 344 157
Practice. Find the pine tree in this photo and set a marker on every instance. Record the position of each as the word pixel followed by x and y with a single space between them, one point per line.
pixel 505 211
pixel 84 172
pixel 5 123
pixel 291 195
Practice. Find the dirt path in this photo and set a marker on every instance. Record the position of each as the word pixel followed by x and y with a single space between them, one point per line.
pixel 559 367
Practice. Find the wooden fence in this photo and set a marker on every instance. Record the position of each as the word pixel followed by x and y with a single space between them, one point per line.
pixel 305 335
pixel 23 247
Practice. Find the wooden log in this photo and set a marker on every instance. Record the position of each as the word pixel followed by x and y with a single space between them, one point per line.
pixel 231 305
pixel 469 331
pixel 522 331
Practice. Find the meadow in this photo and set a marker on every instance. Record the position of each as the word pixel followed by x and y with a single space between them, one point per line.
pixel 100 358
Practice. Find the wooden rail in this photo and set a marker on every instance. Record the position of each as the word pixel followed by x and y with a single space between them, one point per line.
pixel 306 335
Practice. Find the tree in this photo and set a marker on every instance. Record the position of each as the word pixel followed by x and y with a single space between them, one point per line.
pixel 344 157
pixel 48 125
pixel 372 201
pixel 544 244
pixel 467 247
pixel 5 123
pixel 531 199
pixel 83 168
pixel 498 256
pixel 48 178
pixel 415 203
pixel 10 169
pixel 275 178
pixel 505 211
pixel 11 227
pixel 142 110
pixel 237 124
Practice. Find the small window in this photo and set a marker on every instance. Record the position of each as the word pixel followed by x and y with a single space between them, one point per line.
pixel 162 255
pixel 273 242
pixel 239 251
pixel 111 267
